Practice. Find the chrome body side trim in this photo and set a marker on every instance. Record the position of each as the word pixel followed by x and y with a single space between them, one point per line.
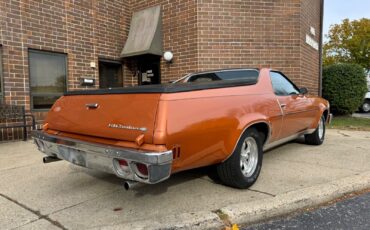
pixel 287 139
pixel 105 157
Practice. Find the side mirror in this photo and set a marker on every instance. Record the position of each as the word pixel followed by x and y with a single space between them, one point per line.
pixel 303 90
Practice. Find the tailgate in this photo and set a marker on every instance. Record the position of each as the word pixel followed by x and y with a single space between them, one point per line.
pixel 114 116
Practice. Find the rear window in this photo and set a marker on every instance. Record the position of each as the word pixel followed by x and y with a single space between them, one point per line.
pixel 225 75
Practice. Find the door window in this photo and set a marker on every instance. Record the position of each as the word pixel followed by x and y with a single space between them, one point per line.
pixel 282 86
pixel 48 75
pixel 110 74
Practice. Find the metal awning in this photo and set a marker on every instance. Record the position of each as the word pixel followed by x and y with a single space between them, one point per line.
pixel 145 36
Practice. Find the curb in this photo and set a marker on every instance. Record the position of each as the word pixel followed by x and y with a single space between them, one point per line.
pixel 255 211
pixel 196 221
pixel 289 202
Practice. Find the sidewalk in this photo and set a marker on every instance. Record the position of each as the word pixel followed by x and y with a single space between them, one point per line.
pixel 63 196
pixel 361 115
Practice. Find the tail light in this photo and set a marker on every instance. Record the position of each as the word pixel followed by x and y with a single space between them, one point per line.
pixel 123 164
pixel 141 170
pixel 121 167
pixel 125 168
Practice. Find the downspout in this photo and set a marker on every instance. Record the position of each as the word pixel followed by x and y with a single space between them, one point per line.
pixel 320 45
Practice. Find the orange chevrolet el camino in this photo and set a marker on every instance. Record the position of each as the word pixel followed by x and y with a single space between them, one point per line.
pixel 225 118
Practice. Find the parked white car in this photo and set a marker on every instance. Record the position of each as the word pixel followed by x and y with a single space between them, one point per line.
pixel 366 105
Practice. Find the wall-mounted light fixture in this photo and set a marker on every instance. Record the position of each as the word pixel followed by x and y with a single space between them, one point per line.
pixel 168 56
pixel 312 30
pixel 92 65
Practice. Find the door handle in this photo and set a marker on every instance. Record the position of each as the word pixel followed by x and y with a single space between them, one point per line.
pixel 92 105
pixel 283 106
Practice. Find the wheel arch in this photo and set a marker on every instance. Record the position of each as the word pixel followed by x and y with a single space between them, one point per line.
pixel 261 125
pixel 326 114
pixel 324 110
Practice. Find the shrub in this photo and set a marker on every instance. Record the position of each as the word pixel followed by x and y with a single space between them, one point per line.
pixel 344 86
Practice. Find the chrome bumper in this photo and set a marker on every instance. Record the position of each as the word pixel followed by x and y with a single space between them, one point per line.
pixel 106 158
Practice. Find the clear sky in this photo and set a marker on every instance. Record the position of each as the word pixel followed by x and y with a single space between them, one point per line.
pixel 337 10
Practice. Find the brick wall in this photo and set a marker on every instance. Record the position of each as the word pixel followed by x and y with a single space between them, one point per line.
pixel 310 65
pixel 255 34
pixel 203 34
pixel 85 30
pixel 266 33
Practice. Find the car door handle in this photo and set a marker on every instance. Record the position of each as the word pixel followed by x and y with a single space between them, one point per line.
pixel 283 106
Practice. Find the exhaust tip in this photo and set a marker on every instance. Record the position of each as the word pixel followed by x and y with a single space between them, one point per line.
pixel 50 159
pixel 131 184
pixel 126 185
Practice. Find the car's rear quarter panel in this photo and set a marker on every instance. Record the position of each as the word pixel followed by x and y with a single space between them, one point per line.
pixel 206 125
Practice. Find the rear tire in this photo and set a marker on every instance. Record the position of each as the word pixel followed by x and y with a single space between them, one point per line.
pixel 243 167
pixel 317 137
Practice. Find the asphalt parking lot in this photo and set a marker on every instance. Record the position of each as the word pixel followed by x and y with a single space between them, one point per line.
pixel 59 195
pixel 352 213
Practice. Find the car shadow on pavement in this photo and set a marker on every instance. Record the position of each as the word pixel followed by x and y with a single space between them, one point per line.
pixel 206 173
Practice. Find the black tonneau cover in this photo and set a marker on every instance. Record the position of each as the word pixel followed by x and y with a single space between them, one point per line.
pixel 168 88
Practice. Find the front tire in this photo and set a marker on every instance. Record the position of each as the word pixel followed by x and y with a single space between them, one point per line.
pixel 317 137
pixel 243 167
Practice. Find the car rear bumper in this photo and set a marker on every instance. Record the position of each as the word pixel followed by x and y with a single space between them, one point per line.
pixel 107 158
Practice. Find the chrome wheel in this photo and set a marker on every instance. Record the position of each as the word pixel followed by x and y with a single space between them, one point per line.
pixel 366 107
pixel 249 156
pixel 321 128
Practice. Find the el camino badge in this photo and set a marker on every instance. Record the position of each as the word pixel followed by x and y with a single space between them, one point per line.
pixel 129 127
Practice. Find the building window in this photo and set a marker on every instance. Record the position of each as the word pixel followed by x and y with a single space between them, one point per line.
pixel 110 74
pixel 1 75
pixel 48 74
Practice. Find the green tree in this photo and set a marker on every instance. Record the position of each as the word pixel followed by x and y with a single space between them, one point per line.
pixel 344 86
pixel 348 42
